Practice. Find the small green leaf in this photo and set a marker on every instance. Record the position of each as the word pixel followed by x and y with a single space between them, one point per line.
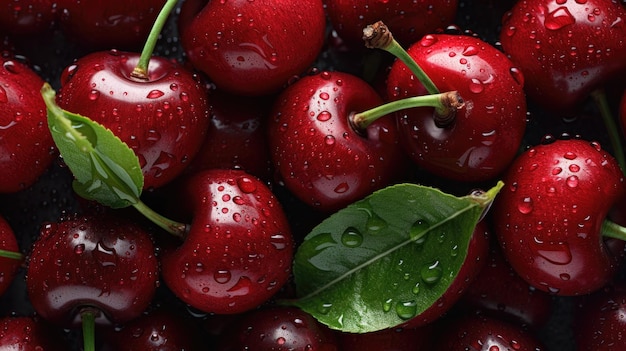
pixel 385 259
pixel 105 168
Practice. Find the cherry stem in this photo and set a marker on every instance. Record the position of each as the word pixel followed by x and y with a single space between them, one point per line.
pixel 599 96
pixel 613 230
pixel 175 228
pixel 11 254
pixel 88 320
pixel 445 104
pixel 378 36
pixel 141 70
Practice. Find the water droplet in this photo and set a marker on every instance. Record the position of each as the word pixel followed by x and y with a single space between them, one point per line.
pixel 517 75
pixel 329 140
pixel 470 51
pixel 428 40
pixel 324 116
pixel 572 181
pixel 526 206
pixel 79 249
pixel 564 276
pixel 279 241
pixel 387 305
pixel 570 155
pixel 341 188
pixel 431 273
pixel 324 96
pixel 351 237
pixel 155 94
pixel 416 288
pixel 554 252
pixel 94 95
pixel 559 18
pixel 325 308
pixel 222 276
pixel 418 229
pixel 574 168
pixel 407 309
pixel 375 224
pixel 476 86
pixel 106 256
pixel 246 185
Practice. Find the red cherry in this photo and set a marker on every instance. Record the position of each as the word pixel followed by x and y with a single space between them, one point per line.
pixel 26 145
pixel 483 333
pixel 239 45
pixel 104 25
pixel 103 263
pixel 316 151
pixel 599 323
pixel 485 135
pixel 26 18
pixel 29 334
pixel 409 20
pixel 277 328
pixel 566 49
pixel 163 119
pixel 8 265
pixel 549 215
pixel 396 339
pixel 239 248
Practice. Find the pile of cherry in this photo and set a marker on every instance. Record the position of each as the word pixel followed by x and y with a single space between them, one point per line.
pixel 240 126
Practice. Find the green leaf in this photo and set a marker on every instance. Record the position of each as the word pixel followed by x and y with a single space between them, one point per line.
pixel 105 168
pixel 385 259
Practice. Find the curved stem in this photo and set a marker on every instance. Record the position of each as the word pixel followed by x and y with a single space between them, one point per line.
pixel 175 228
pixel 612 129
pixel 141 70
pixel 11 254
pixel 613 230
pixel 445 104
pixel 378 36
pixel 88 320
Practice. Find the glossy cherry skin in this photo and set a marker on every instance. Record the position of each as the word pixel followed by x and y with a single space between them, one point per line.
pixel 22 333
pixel 599 322
pixel 483 333
pixel 26 146
pixel 565 48
pixel 24 18
pixel 104 263
pixel 548 216
pixel 105 25
pixel 163 119
pixel 277 328
pixel 499 291
pixel 408 20
pixel 237 137
pixel 161 329
pixel 622 110
pixel 316 152
pixel 238 251
pixel 242 50
pixel 8 266
pixel 477 254
pixel 485 134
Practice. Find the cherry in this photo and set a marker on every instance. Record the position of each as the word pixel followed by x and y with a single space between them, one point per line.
pixel 499 291
pixel 255 47
pixel 237 137
pixel 483 333
pixel 163 118
pixel 483 137
pixel 566 49
pixel 10 257
pixel 599 322
pixel 26 18
pixel 108 24
pixel 409 20
pixel 160 329
pixel 26 146
pixel 319 154
pixel 238 250
pixel 100 270
pixel 277 328
pixel 29 334
pixel 548 219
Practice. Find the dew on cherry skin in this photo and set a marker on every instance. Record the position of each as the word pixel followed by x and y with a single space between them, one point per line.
pixel 324 116
pixel 559 18
pixel 517 75
pixel 246 185
pixel 329 140
pixel 324 96
pixel 428 40
pixel 572 181
pixel 525 206
pixel 222 276
pixel 476 86
pixel 93 95
pixel 470 51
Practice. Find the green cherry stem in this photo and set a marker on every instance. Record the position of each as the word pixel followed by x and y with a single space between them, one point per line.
pixel 445 104
pixel 175 228
pixel 613 230
pixel 599 96
pixel 88 320
pixel 378 36
pixel 11 254
pixel 141 70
